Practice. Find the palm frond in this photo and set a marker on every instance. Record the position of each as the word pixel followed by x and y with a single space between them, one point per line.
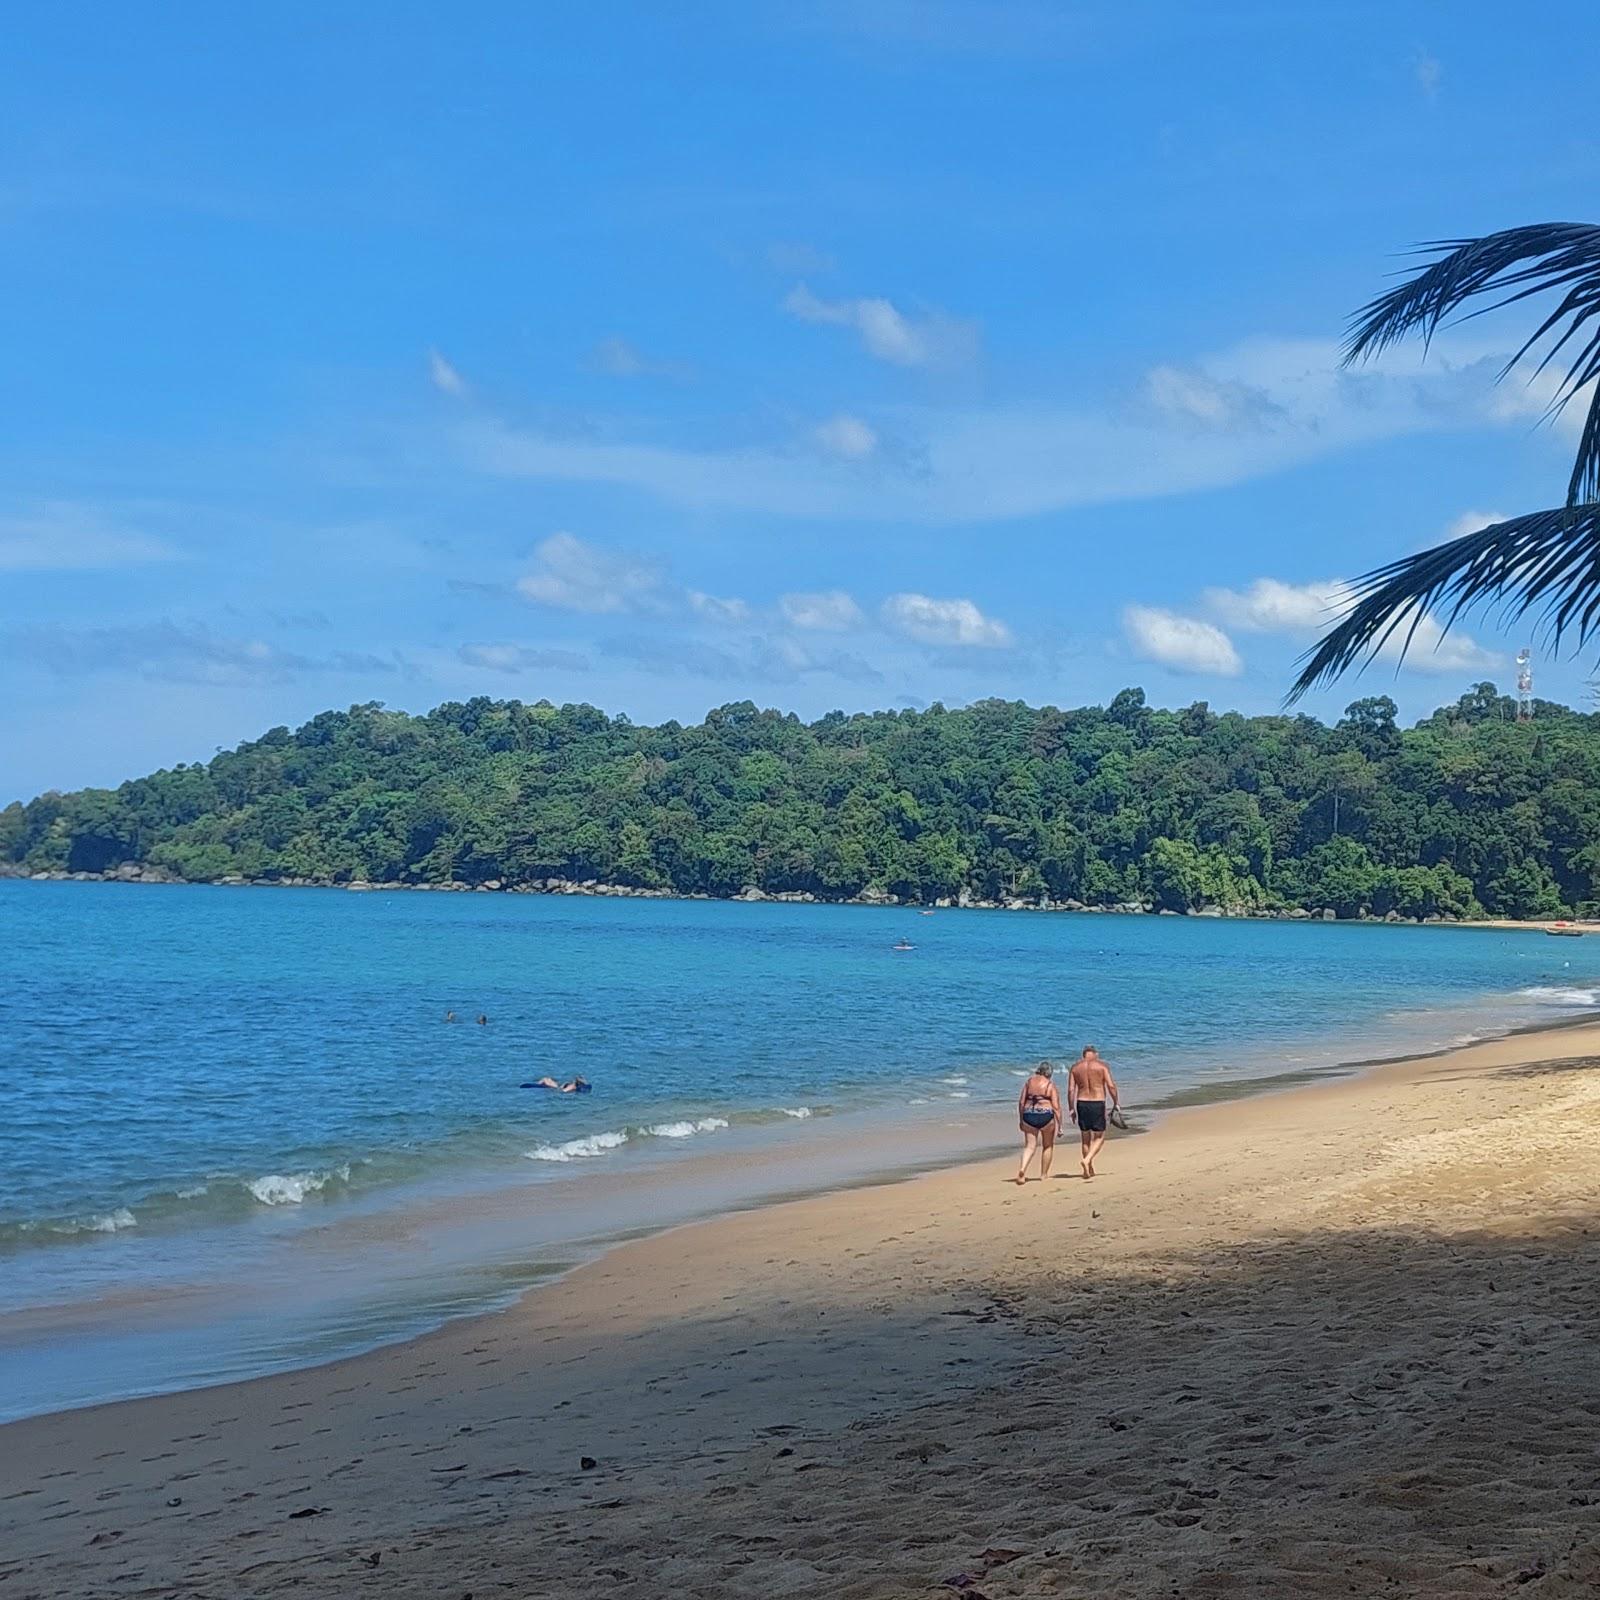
pixel 1548 559
pixel 1513 265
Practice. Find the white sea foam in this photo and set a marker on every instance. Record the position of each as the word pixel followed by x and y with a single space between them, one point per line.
pixel 953 1080
pixel 593 1144
pixel 1555 995
pixel 105 1222
pixel 686 1130
pixel 796 1111
pixel 289 1189
pixel 193 1191
pixel 958 1094
pixel 112 1221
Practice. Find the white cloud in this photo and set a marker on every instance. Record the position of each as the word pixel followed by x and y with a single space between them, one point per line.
pixel 1190 395
pixel 62 537
pixel 1430 74
pixel 518 658
pixel 824 611
pixel 715 609
pixel 780 656
pixel 1278 404
pixel 1435 651
pixel 444 377
pixel 1184 643
pixel 1271 606
pixel 947 622
pixel 1304 610
pixel 1531 394
pixel 571 575
pixel 847 437
pixel 1471 522
pixel 886 332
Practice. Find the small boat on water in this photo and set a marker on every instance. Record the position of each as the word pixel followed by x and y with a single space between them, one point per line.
pixel 902 944
pixel 1565 933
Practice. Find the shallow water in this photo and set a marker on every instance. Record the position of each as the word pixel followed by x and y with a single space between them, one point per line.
pixel 210 1097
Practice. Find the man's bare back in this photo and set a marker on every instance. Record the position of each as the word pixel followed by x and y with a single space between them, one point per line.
pixel 1089 1086
pixel 1089 1079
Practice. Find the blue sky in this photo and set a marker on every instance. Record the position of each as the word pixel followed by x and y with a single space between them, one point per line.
pixel 828 355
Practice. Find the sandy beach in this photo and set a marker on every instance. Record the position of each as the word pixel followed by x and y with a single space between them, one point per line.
pixel 1339 1340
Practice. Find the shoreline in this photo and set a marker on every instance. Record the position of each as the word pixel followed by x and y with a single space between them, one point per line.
pixel 478 1224
pixel 476 1231
pixel 595 889
pixel 876 1331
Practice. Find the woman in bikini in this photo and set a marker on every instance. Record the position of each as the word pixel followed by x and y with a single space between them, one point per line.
pixel 1039 1116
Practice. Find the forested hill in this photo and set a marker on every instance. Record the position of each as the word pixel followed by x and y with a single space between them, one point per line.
pixel 1468 813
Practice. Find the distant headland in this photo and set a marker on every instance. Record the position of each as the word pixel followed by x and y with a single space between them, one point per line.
pixel 1124 808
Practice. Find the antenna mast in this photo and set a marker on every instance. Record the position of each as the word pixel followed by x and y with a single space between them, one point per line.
pixel 1525 685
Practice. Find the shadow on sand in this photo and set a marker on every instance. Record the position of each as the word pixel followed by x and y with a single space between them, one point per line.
pixel 1362 1412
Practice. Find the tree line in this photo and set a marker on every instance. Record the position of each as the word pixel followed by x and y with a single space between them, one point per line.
pixel 1468 813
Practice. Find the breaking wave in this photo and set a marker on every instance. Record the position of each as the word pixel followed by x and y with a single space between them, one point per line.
pixel 1555 995
pixel 39 1229
pixel 112 1221
pixel 289 1189
pixel 593 1144
pixel 686 1130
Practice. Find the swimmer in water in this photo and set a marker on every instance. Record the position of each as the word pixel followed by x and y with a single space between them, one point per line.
pixel 576 1086
pixel 482 1020
pixel 449 1016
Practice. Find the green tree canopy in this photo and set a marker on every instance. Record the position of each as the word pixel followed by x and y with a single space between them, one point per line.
pixel 1467 813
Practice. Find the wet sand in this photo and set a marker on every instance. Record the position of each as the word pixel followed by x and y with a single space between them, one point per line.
pixel 1340 1340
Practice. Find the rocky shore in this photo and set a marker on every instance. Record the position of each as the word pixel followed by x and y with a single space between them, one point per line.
pixel 135 872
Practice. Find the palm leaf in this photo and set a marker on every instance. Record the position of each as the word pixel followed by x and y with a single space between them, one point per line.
pixel 1548 559
pixel 1513 265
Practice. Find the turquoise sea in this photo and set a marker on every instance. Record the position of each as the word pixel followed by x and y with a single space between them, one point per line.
pixel 239 1134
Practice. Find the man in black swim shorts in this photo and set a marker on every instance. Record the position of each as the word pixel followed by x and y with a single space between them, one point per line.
pixel 1088 1085
pixel 1091 1116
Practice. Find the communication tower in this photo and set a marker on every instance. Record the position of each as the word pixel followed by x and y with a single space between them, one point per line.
pixel 1524 685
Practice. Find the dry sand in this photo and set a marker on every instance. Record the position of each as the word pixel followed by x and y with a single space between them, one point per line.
pixel 1340 1341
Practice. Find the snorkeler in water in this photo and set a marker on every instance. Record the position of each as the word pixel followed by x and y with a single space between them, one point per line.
pixel 576 1086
